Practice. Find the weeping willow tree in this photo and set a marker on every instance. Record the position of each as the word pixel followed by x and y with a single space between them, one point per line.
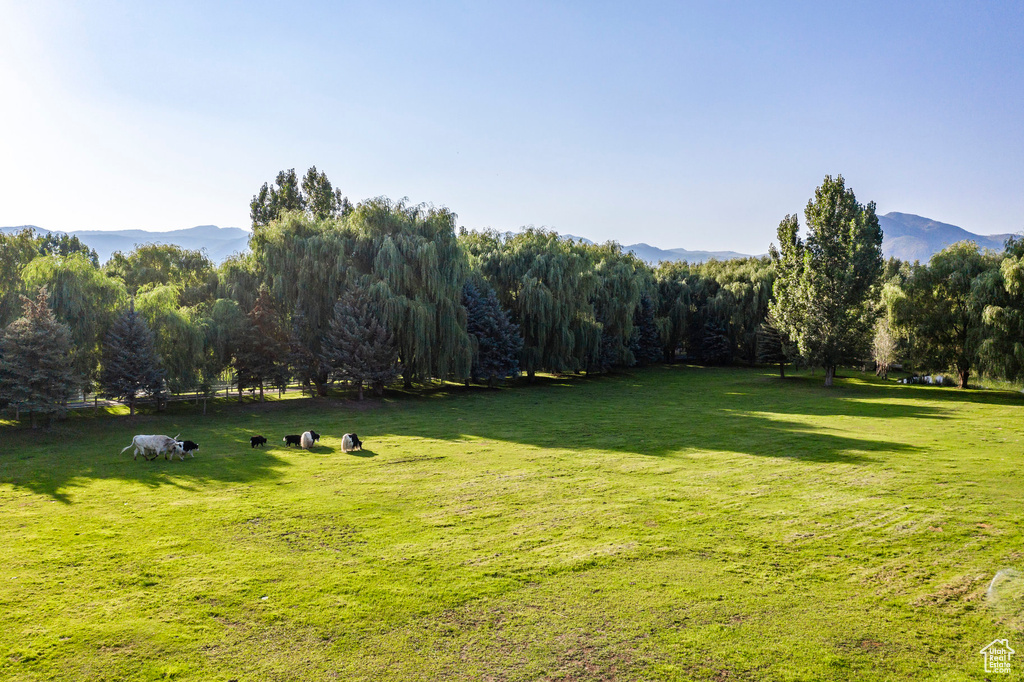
pixel 674 305
pixel 178 336
pixel 223 325
pixel 410 263
pixel 85 300
pixel 548 283
pixel 238 279
pixel 16 251
pixel 153 265
pixel 305 265
pixel 622 280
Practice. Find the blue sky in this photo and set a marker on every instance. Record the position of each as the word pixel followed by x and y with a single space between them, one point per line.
pixel 695 125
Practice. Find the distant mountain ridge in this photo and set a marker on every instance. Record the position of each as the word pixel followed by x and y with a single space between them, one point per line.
pixel 653 255
pixel 905 235
pixel 219 242
pixel 910 237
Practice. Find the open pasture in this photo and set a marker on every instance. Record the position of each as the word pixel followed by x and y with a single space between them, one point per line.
pixel 673 523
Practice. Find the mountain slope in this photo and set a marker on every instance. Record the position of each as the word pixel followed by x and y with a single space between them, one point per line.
pixel 219 242
pixel 910 237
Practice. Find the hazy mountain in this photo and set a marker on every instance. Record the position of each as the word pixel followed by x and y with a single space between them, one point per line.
pixel 911 237
pixel 654 255
pixel 906 236
pixel 219 242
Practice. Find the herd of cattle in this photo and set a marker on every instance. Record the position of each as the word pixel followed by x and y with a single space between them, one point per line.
pixel 151 447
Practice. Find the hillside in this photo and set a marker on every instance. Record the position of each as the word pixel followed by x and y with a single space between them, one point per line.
pixel 906 236
pixel 911 237
pixel 218 242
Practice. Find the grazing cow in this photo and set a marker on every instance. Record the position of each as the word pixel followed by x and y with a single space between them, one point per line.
pixel 155 446
pixel 350 442
pixel 308 438
pixel 292 440
pixel 257 440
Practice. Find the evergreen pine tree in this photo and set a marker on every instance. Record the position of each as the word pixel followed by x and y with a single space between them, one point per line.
pixel 35 361
pixel 359 347
pixel 130 363
pixel 773 348
pixel 498 341
pixel 716 348
pixel 645 341
pixel 262 352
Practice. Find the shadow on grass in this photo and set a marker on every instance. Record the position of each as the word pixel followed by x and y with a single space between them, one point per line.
pixel 361 453
pixel 667 410
pixel 54 462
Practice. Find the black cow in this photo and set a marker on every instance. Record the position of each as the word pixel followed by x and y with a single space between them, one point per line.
pixel 257 440
pixel 292 440
pixel 188 447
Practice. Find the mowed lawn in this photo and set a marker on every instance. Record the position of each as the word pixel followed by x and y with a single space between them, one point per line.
pixel 672 523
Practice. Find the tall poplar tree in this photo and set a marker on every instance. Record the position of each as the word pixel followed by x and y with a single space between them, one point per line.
pixel 35 366
pixel 822 285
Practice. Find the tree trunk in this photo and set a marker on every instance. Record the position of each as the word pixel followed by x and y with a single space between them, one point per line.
pixel 407 377
pixel 830 371
pixel 359 385
pixel 131 408
pixel 262 399
pixel 782 370
pixel 531 375
pixel 490 381
pixel 33 415
pixel 239 393
pixel 962 376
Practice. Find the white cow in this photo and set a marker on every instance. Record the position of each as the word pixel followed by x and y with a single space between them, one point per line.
pixel 155 446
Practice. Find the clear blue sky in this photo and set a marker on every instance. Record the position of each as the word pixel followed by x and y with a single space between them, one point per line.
pixel 695 125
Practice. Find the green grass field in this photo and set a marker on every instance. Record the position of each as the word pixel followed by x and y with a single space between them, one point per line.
pixel 673 523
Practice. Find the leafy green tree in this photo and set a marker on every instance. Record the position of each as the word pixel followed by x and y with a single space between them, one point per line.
pixel 130 363
pixel 314 195
pixel 82 298
pixel 409 261
pixel 1003 346
pixel 359 347
pixel 943 304
pixel 321 199
pixel 262 352
pixel 622 279
pixel 496 338
pixel 646 342
pixel 150 266
pixel 307 265
pixel 675 309
pixel 16 251
pixel 54 244
pixel 884 347
pixel 179 337
pixel 224 325
pixel 271 201
pixel 822 285
pixel 35 367
pixel 548 284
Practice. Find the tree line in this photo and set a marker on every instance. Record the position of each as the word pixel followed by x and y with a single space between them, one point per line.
pixel 383 291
